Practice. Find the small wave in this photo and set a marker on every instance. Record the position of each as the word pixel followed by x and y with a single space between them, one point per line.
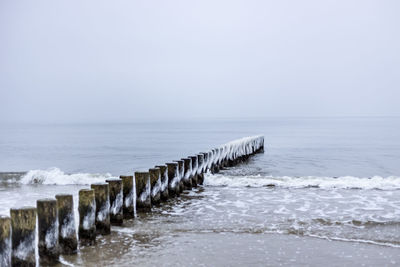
pixel 383 243
pixel 55 176
pixel 343 182
pixel 356 240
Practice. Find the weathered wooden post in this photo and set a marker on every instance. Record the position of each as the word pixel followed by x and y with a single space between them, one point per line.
pixel 205 167
pixel 49 250
pixel 5 241
pixel 229 162
pixel 221 158
pixel 194 170
pixel 181 171
pixel 23 225
pixel 129 194
pixel 173 179
pixel 261 149
pixel 217 159
pixel 66 224
pixel 116 201
pixel 214 166
pixel 235 159
pixel 143 191
pixel 220 162
pixel 246 153
pixel 210 159
pixel 87 217
pixel 164 182
pixel 102 196
pixel 200 173
pixel 155 184
pixel 187 178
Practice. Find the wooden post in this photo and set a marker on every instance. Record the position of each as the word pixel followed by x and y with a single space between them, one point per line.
pixel 209 165
pixel 129 195
pixel 5 241
pixel 173 179
pixel 102 197
pixel 181 171
pixel 187 173
pixel 200 174
pixel 143 191
pixel 49 250
pixel 23 225
pixel 194 170
pixel 164 182
pixel 87 217
pixel 155 183
pixel 116 201
pixel 66 224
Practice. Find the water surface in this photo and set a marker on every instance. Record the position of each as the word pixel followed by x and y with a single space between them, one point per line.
pixel 325 190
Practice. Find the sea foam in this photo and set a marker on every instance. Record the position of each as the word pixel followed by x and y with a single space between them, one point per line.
pixel 55 176
pixel 343 182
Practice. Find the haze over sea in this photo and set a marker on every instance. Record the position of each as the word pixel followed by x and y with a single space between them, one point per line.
pixel 320 178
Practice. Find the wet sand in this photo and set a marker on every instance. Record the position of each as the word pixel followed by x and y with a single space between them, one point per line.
pixel 237 249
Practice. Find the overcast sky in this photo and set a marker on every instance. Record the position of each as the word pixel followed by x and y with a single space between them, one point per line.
pixel 128 60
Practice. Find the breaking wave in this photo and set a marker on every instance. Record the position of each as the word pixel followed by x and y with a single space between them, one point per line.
pixel 343 182
pixel 55 176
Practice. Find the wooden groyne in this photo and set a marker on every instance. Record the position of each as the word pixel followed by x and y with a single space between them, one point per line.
pixel 106 204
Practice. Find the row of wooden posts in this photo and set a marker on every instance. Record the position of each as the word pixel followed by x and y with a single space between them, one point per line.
pixel 106 204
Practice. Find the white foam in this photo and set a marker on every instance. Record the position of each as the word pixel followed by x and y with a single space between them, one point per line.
pixel 343 182
pixel 54 176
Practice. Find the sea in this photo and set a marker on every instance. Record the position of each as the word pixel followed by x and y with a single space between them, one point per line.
pixel 326 190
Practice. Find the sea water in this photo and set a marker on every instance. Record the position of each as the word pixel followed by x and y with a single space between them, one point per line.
pixel 326 189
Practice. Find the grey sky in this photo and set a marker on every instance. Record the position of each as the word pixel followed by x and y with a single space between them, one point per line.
pixel 126 60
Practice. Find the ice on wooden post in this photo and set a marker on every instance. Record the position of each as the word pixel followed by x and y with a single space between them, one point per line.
pixel 143 191
pixel 102 197
pixel 87 217
pixel 116 201
pixel 66 224
pixel 49 250
pixel 5 241
pixel 181 171
pixel 23 225
pixel 155 184
pixel 237 151
pixel 173 179
pixel 129 196
pixel 187 177
pixel 164 182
